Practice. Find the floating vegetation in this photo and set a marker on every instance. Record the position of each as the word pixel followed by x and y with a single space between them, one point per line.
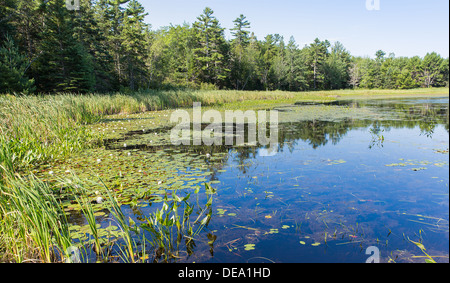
pixel 334 162
pixel 249 247
pixel 419 169
pixel 443 151
pixel 221 211
pixel 410 162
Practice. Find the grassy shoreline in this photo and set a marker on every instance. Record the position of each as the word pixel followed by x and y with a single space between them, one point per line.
pixel 35 130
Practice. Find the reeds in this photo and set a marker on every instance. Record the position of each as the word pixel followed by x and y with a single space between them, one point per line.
pixel 36 129
pixel 33 225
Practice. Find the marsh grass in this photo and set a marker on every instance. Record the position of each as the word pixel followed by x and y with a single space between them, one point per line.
pixel 33 225
pixel 36 129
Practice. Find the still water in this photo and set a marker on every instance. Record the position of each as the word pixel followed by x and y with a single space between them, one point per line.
pixel 332 187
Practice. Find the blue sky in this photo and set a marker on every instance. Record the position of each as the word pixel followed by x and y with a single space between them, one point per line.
pixel 404 27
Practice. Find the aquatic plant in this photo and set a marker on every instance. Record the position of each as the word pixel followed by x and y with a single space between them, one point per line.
pixel 33 225
pixel 168 227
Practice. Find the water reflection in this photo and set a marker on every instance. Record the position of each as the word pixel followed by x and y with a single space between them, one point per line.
pixel 317 133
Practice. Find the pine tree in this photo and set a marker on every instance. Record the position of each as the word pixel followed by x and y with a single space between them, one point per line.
pixel 64 65
pixel 106 46
pixel 133 43
pixel 405 80
pixel 268 53
pixel 240 67
pixel 27 20
pixel 316 55
pixel 431 65
pixel 210 53
pixel 112 26
pixel 88 30
pixel 7 12
pixel 336 67
pixel 295 77
pixel 241 35
pixel 13 65
pixel 444 73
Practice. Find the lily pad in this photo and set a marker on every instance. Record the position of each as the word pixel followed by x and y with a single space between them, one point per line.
pixel 249 247
pixel 221 211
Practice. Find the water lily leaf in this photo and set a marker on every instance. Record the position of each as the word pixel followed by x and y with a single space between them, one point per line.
pixel 221 211
pixel 74 227
pixel 111 228
pixel 249 247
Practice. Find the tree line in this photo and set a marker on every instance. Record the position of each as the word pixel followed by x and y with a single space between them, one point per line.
pixel 107 46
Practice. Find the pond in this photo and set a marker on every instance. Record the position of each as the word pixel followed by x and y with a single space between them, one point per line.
pixel 343 177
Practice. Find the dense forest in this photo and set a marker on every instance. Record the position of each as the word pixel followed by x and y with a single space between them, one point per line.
pixel 107 46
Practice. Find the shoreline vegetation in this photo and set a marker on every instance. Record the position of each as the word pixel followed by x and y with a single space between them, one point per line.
pixel 35 130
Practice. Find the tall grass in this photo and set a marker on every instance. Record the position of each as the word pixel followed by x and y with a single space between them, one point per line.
pixel 36 129
pixel 33 225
